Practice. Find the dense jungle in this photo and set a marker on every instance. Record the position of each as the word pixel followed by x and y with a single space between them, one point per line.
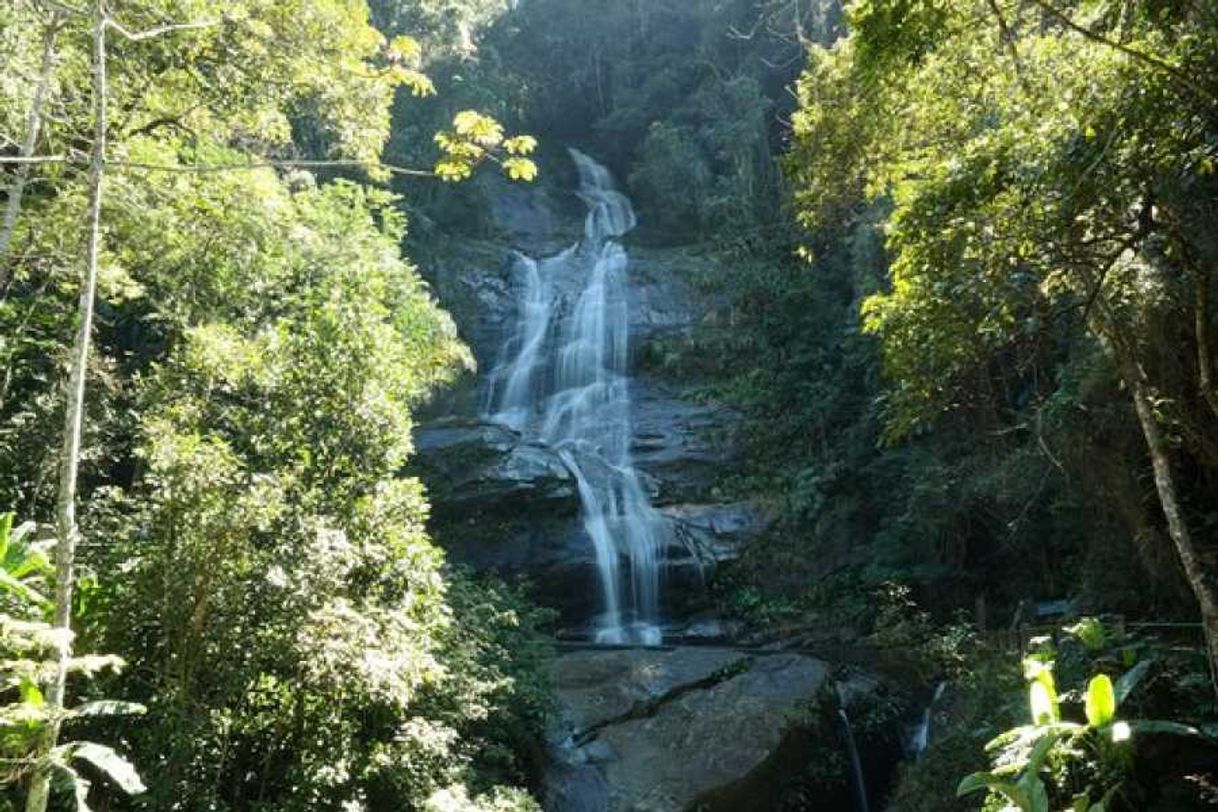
pixel 609 405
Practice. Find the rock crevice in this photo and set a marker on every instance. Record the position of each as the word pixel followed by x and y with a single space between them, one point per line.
pixel 652 730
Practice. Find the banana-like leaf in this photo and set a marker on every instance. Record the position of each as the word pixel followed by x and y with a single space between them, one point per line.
pixel 13 585
pixel 1130 679
pixel 68 780
pixel 1100 704
pixel 988 781
pixel 109 707
pixel 117 769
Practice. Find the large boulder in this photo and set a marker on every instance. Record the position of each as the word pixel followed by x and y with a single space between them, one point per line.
pixel 474 469
pixel 649 730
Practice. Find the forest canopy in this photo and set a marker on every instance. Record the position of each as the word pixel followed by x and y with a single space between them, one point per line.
pixel 952 264
pixel 252 356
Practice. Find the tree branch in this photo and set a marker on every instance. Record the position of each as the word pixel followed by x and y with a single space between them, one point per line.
pixel 1148 59
pixel 160 30
pixel 202 168
pixel 33 127
pixel 1007 37
pixel 1201 326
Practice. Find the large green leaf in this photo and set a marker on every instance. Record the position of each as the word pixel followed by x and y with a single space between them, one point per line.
pixel 1042 699
pixel 67 780
pixel 109 707
pixel 1126 683
pixel 1100 703
pixel 20 589
pixel 106 759
pixel 989 781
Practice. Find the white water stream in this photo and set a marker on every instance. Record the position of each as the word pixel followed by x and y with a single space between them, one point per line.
pixel 562 380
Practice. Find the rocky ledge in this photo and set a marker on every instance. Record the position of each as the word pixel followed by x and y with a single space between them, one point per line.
pixel 706 729
pixel 504 504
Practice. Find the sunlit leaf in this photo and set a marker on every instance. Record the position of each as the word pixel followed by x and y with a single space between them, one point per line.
pixel 106 759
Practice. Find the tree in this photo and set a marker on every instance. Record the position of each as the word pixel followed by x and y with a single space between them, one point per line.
pixel 205 71
pixel 1038 169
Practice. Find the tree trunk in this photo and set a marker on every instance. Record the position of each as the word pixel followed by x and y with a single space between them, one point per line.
pixel 69 464
pixel 32 129
pixel 1195 569
pixel 1201 327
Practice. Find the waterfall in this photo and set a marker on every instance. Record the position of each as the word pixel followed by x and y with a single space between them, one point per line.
pixel 919 740
pixel 562 380
pixel 856 763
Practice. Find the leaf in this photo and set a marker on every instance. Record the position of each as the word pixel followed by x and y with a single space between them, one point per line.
pixel 419 83
pixel 108 707
pixel 1041 751
pixel 1100 701
pixel 406 48
pixel 35 561
pixel 974 782
pixel 1037 795
pixel 1043 701
pixel 451 171
pixel 68 779
pixel 18 588
pixel 6 527
pixel 979 781
pixel 106 759
pixel 520 169
pixel 31 694
pixel 1131 678
pixel 1090 632
pixel 520 145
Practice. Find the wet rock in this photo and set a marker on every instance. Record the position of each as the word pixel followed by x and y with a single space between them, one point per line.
pixel 701 538
pixel 596 686
pixel 682 444
pixel 502 504
pixel 704 629
pixel 660 730
pixel 475 469
pixel 664 295
pixel 712 534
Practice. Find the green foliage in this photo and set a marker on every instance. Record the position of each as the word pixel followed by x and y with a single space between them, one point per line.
pixel 675 96
pixel 251 546
pixel 1016 192
pixel 1055 762
pixel 473 139
pixel 27 641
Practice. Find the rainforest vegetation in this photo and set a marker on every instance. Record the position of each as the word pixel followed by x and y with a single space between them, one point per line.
pixel 963 255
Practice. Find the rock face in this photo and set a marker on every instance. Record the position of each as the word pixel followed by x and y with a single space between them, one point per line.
pixel 508 505
pixel 503 504
pixel 478 468
pixel 662 731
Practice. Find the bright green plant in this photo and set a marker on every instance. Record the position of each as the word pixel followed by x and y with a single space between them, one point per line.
pixel 26 640
pixel 1054 763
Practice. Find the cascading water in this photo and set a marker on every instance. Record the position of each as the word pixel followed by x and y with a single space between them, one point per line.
pixel 919 740
pixel 562 380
